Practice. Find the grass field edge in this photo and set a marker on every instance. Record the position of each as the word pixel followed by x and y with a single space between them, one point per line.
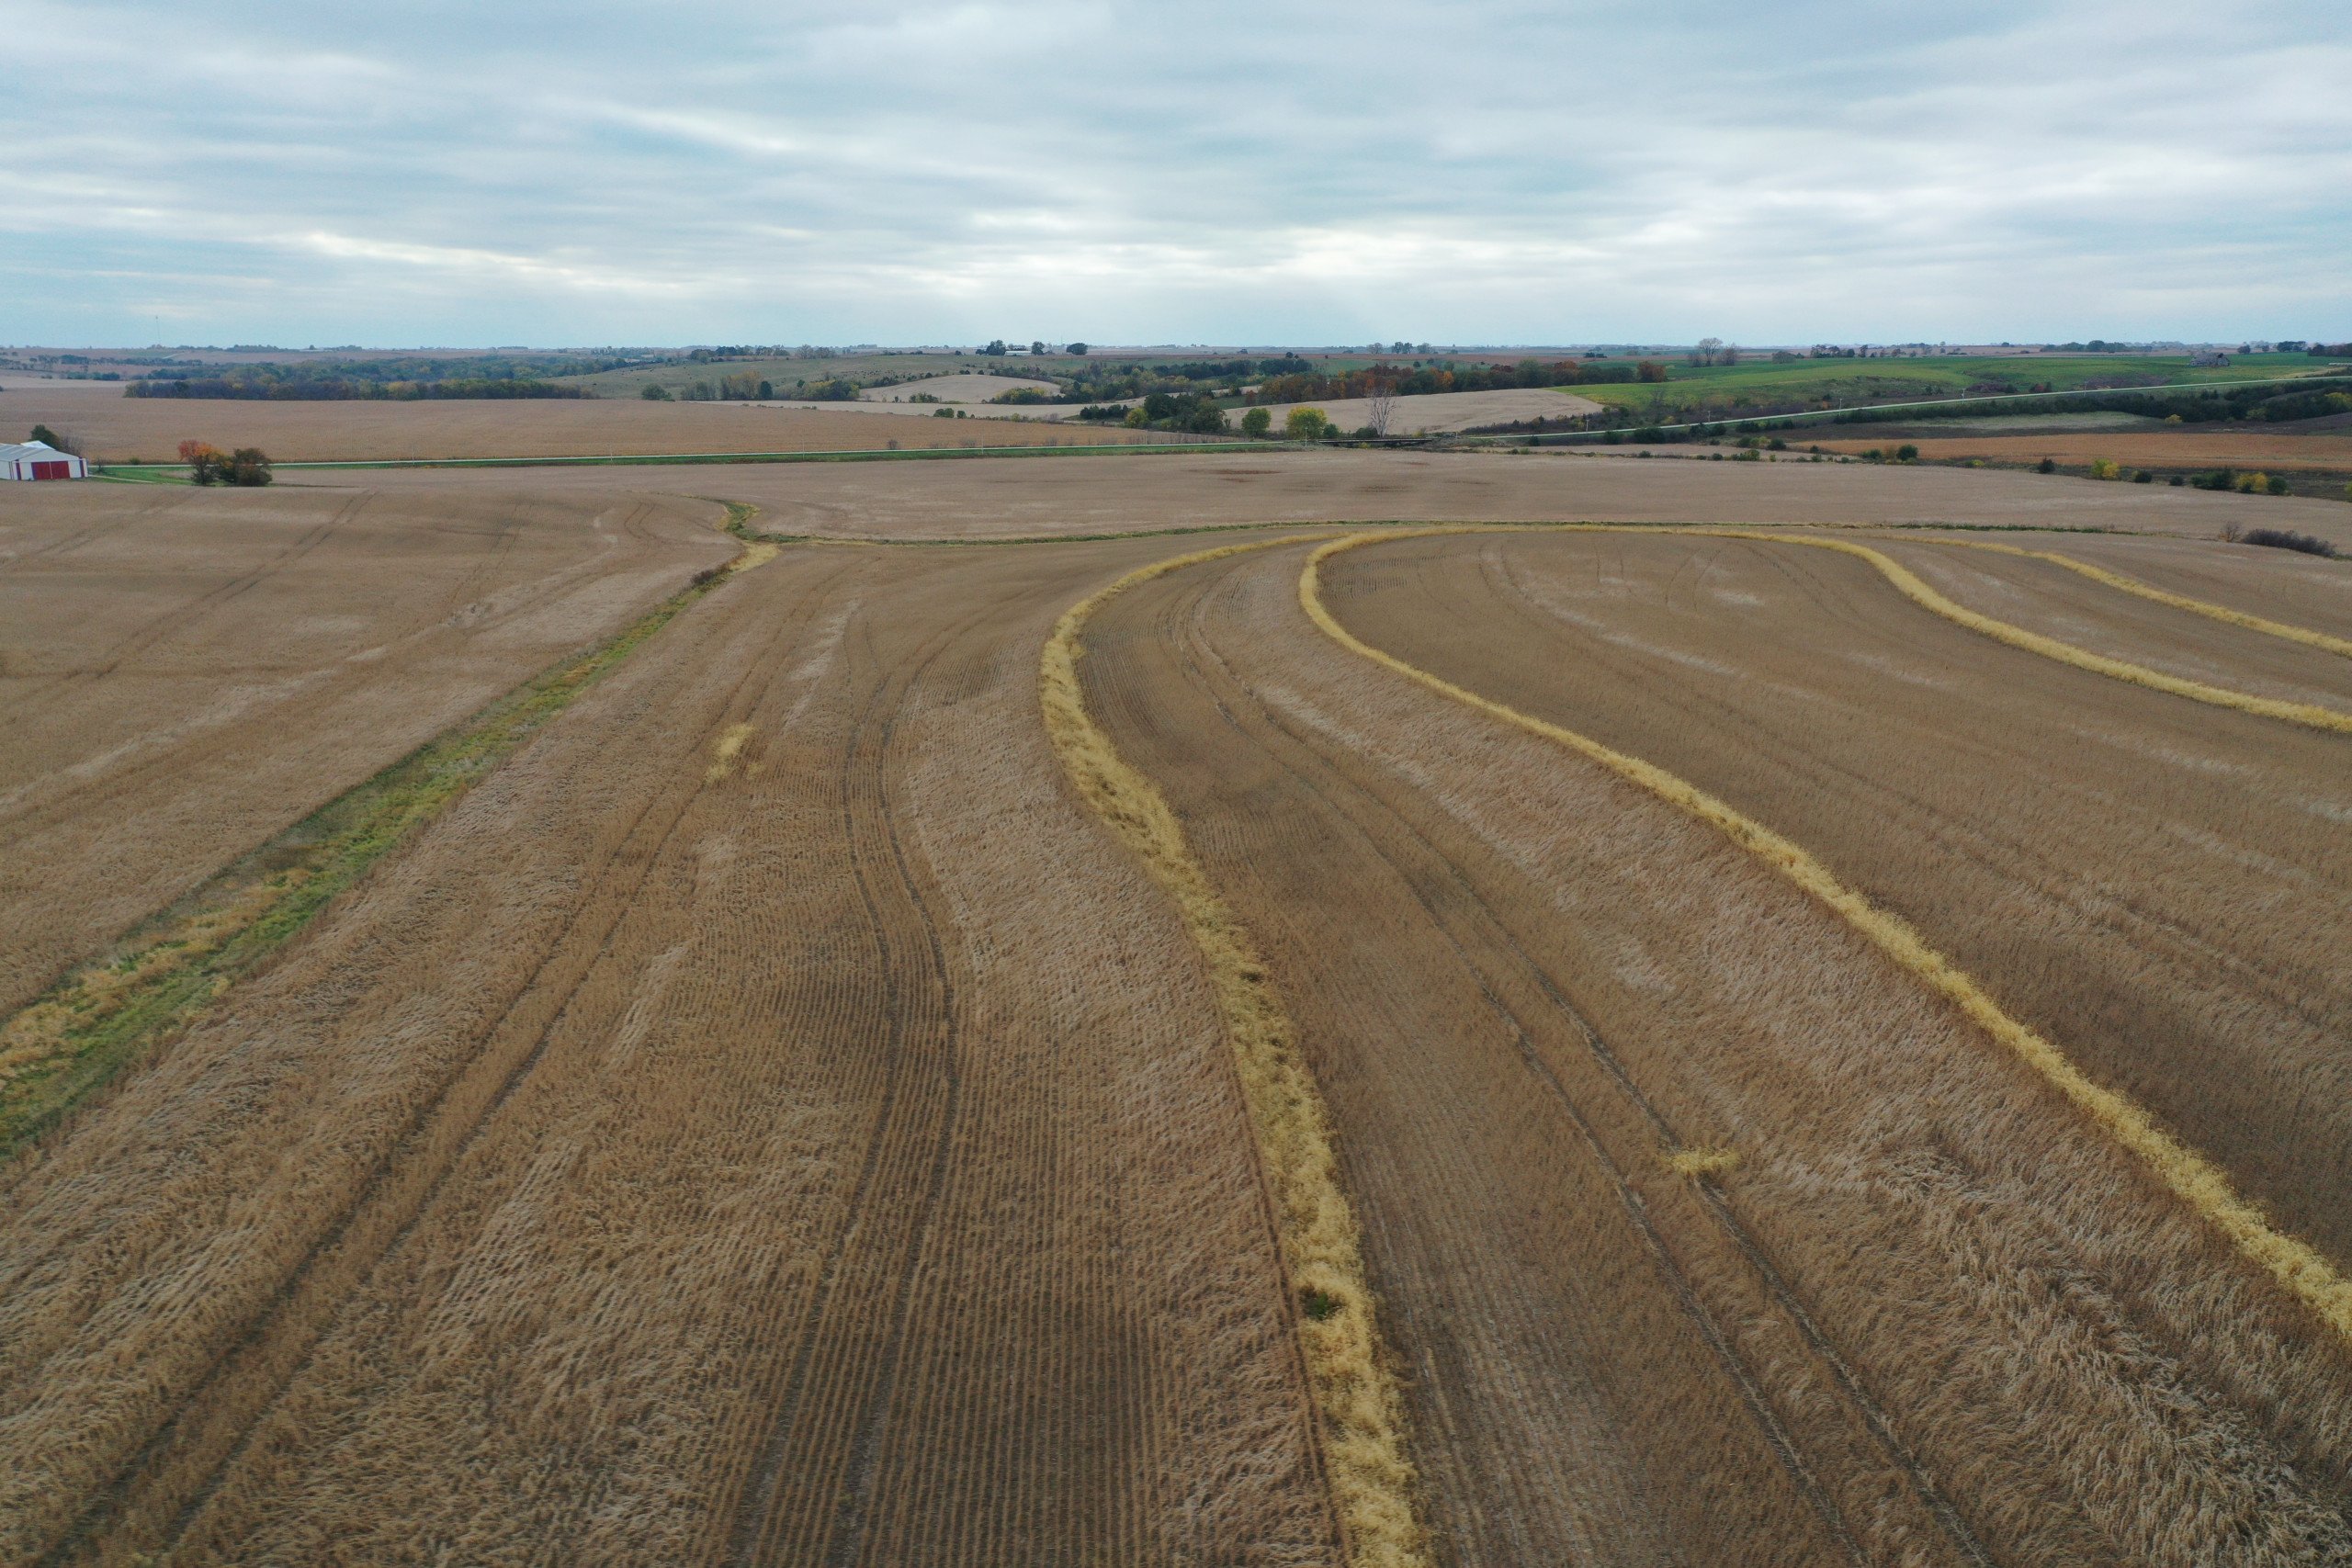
pixel 1360 1410
pixel 164 974
pixel 2196 1180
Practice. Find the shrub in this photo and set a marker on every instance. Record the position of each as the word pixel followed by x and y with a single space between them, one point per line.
pixel 2286 539
pixel 2047 466
pixel 2144 476
pixel 654 392
pixel 1907 454
pixel 2105 468
pixel 208 465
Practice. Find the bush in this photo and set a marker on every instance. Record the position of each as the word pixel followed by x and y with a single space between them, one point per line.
pixel 1907 454
pixel 2286 539
pixel 2047 466
pixel 654 392
pixel 2275 485
pixel 208 465
pixel 2142 478
pixel 2105 468
pixel 1256 423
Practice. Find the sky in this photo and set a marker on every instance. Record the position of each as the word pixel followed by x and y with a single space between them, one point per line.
pixel 1473 172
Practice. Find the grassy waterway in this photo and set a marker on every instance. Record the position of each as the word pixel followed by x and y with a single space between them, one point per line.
pixel 167 972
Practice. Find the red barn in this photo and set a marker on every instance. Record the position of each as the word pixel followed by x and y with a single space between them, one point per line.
pixel 40 460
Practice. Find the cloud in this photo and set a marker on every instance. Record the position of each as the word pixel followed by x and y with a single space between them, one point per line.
pixel 1486 170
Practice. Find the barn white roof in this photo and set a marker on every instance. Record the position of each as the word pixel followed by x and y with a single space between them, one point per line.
pixel 28 450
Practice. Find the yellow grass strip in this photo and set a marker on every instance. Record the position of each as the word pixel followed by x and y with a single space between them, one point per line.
pixel 1361 1413
pixel 2165 596
pixel 2196 1179
pixel 1918 593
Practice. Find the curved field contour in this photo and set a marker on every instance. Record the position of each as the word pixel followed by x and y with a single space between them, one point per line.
pixel 1355 1395
pixel 2187 1173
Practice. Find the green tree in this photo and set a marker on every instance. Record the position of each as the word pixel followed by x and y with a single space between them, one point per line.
pixel 1256 423
pixel 1077 349
pixel 996 347
pixel 654 392
pixel 1307 425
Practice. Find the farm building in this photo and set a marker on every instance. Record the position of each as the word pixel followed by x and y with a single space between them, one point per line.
pixel 40 460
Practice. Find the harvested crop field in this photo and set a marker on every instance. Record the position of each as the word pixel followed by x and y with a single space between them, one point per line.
pixel 1299 1047
pixel 1081 496
pixel 1439 412
pixel 2186 448
pixel 114 428
pixel 183 673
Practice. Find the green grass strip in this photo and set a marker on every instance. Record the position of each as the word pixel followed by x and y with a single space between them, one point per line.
pixel 100 1018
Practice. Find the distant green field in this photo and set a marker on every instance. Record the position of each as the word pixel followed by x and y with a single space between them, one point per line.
pixel 1723 390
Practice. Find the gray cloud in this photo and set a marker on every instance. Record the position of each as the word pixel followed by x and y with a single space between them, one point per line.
pixel 1486 170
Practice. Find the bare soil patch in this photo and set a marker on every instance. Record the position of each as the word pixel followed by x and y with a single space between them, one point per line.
pixel 1438 414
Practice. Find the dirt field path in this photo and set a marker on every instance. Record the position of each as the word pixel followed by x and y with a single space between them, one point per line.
pixel 183 673
pixel 700 1175
pixel 2022 1320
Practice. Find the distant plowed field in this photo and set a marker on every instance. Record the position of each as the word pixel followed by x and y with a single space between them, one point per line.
pixel 1365 1047
pixel 1088 495
pixel 117 429
pixel 2189 448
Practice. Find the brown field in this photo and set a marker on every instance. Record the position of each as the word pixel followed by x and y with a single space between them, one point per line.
pixel 114 428
pixel 185 673
pixel 2189 448
pixel 793 1112
pixel 1439 412
pixel 1110 495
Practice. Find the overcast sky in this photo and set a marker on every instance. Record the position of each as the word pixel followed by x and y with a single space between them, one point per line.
pixel 1486 171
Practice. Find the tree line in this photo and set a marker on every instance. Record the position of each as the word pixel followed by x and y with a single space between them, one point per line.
pixel 1306 385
